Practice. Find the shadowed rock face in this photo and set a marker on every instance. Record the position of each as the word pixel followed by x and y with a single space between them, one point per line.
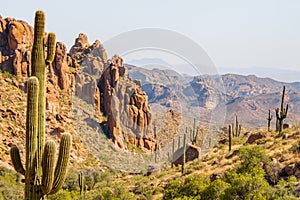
pixel 126 105
pixel 192 152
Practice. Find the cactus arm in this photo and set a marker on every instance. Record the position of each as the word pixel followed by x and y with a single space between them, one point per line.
pixel 282 98
pixel 48 167
pixel 62 163
pixel 50 48
pixel 31 137
pixel 16 160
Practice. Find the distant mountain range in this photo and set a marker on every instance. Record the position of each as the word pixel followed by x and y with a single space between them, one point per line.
pixel 216 99
pixel 285 75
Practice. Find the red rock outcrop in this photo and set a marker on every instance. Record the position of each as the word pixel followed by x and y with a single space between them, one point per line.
pixel 126 105
pixel 92 59
pixel 61 67
pixel 16 38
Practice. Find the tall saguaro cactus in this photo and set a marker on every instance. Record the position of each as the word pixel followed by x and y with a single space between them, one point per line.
pixel 229 137
pixel 42 177
pixel 280 116
pixel 38 68
pixel 183 154
pixel 236 126
pixel 270 117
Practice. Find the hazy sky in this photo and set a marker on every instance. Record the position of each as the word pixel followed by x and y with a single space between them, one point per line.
pixel 235 34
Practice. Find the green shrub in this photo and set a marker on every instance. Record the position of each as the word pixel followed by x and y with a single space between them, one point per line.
pixel 192 186
pixel 284 190
pixel 251 157
pixel 10 187
pixel 65 195
pixel 216 190
pixel 246 185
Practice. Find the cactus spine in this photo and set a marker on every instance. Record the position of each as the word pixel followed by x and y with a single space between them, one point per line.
pixel 280 116
pixel 42 177
pixel 183 154
pixel 270 117
pixel 229 137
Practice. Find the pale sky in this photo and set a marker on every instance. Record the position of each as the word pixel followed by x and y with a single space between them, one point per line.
pixel 235 34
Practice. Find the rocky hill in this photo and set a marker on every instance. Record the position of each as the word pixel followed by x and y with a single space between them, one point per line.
pixel 77 81
pixel 249 97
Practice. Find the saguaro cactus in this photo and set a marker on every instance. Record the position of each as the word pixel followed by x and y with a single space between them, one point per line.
pixel 229 137
pixel 38 68
pixel 81 183
pixel 280 116
pixel 183 154
pixel 42 177
pixel 270 117
pixel 236 126
pixel 173 153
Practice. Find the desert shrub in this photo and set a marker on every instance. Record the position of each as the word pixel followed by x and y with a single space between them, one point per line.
pixel 246 185
pixel 295 148
pixel 192 186
pixel 284 190
pixel 251 157
pixel 172 190
pixel 10 187
pixel 216 190
pixel 114 192
pixel 65 195
pixel 71 182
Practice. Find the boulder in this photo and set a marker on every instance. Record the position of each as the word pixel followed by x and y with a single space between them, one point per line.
pixel 192 152
pixel 254 137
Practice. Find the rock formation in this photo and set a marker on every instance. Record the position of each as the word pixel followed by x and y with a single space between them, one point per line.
pixel 126 105
pixel 92 59
pixel 79 73
pixel 16 38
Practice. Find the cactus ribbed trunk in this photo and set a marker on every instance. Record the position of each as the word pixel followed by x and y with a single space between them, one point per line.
pixel 183 154
pixel 31 180
pixel 38 69
pixel 173 156
pixel 236 126
pixel 229 137
pixel 269 120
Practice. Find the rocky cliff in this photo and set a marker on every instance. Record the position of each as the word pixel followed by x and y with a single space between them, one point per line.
pixel 127 108
pixel 81 72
